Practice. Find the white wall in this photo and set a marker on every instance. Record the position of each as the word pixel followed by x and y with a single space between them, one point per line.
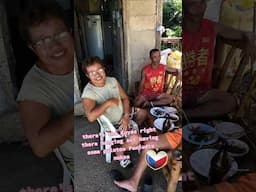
pixel 213 10
pixel 6 87
pixel 140 23
pixel 10 124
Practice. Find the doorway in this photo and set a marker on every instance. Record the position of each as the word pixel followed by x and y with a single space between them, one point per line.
pixel 24 57
pixel 100 31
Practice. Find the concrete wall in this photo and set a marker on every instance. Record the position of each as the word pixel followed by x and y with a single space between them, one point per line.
pixel 10 129
pixel 238 18
pixel 141 19
pixel 6 85
pixel 213 10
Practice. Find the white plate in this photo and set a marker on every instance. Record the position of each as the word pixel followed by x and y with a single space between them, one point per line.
pixel 200 162
pixel 239 144
pixel 170 110
pixel 187 134
pixel 173 117
pixel 157 112
pixel 158 123
pixel 229 130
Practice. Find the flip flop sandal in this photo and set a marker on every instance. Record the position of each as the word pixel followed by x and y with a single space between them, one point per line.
pixel 126 163
pixel 117 176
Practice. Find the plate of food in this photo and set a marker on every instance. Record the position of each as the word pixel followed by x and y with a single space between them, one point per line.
pixel 229 130
pixel 199 134
pixel 200 162
pixel 237 148
pixel 173 117
pixel 170 110
pixel 157 112
pixel 158 123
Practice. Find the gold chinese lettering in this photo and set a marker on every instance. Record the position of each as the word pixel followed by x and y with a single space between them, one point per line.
pixel 202 57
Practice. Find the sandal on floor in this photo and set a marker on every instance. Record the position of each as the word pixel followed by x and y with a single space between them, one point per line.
pixel 126 163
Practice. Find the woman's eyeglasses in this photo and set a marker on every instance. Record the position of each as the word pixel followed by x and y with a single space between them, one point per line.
pixel 45 42
pixel 94 73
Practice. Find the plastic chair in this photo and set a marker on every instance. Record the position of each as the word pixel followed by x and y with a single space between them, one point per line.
pixel 67 176
pixel 109 132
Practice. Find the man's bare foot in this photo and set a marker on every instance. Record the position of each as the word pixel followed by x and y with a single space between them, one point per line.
pixel 127 184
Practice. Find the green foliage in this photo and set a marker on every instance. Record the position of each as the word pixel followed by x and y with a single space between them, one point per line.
pixel 172 17
pixel 169 32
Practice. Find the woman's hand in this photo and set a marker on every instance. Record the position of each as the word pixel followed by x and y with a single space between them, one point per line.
pixel 124 123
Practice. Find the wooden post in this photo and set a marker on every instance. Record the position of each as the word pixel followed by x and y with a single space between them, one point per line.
pixel 254 17
pixel 159 15
pixel 7 62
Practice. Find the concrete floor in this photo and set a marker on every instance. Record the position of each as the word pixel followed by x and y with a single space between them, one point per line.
pixel 20 169
pixel 92 172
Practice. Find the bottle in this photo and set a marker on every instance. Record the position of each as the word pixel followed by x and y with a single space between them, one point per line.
pixel 220 165
pixel 166 124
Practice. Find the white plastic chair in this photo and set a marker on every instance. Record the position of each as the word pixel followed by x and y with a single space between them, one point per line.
pixel 109 132
pixel 67 176
pixel 164 55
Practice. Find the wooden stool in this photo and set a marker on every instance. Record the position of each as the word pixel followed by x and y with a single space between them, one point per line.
pixel 171 173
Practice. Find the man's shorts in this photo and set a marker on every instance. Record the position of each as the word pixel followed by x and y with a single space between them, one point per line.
pixel 151 97
pixel 174 138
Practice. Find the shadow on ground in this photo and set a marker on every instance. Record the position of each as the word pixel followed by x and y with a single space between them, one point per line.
pixel 21 169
